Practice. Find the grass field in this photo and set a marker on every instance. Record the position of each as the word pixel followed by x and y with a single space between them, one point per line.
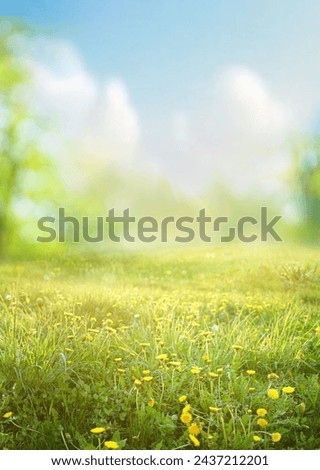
pixel 198 348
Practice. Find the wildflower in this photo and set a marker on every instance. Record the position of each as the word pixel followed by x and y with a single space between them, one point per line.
pixel 111 445
pixel 98 430
pixel 118 359
pixel 276 437
pixel 237 347
pixel 261 412
pixel 273 393
pixel 146 372
pixel 195 370
pixel 194 429
pixel 87 338
pixel 252 389
pixel 186 409
pixel 183 398
pixel 220 370
pixel 68 314
pixel 186 418
pixel 249 412
pixel 137 382
pixel 256 438
pixel 194 440
pixel 151 402
pixel 175 363
pixel 122 371
pixel 110 330
pixel 206 358
pixel 288 390
pixel 273 376
pixel 145 345
pixel 147 379
pixel 8 415
pixel 213 375
pixel 214 409
pixel 262 422
pixel 162 357
pixel 251 372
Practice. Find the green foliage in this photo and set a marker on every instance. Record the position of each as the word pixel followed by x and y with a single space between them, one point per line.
pixel 26 173
pixel 113 342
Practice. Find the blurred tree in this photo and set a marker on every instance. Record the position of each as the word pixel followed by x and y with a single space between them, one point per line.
pixel 25 169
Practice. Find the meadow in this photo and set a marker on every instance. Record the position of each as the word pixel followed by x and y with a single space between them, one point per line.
pixel 208 348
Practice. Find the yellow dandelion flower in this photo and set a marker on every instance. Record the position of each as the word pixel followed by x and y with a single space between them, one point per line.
pixel 162 357
pixel 273 393
pixel 147 379
pixel 256 438
pixel 186 409
pixel 87 338
pixel 276 437
pixel 137 382
pixel 213 375
pixel 68 314
pixel 174 363
pixel 186 418
pixel 252 389
pixel 145 345
pixel 97 430
pixel 214 409
pixel 151 402
pixel 122 371
pixel 111 445
pixel 251 372
pixel 110 330
pixel 206 358
pixel 8 415
pixel 237 347
pixel 262 422
pixel 182 398
pixel 118 359
pixel 220 370
pixel 194 440
pixel 195 370
pixel 194 429
pixel 146 372
pixel 288 390
pixel 249 412
pixel 261 412
pixel 273 376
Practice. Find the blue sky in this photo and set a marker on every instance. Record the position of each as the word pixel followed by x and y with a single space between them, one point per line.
pixel 213 87
pixel 167 49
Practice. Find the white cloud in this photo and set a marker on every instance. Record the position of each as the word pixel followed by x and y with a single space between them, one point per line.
pixel 180 125
pixel 121 127
pixel 239 137
pixel 253 108
pixel 251 130
pixel 95 115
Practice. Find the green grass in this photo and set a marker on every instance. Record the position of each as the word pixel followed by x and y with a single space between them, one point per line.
pixel 78 335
